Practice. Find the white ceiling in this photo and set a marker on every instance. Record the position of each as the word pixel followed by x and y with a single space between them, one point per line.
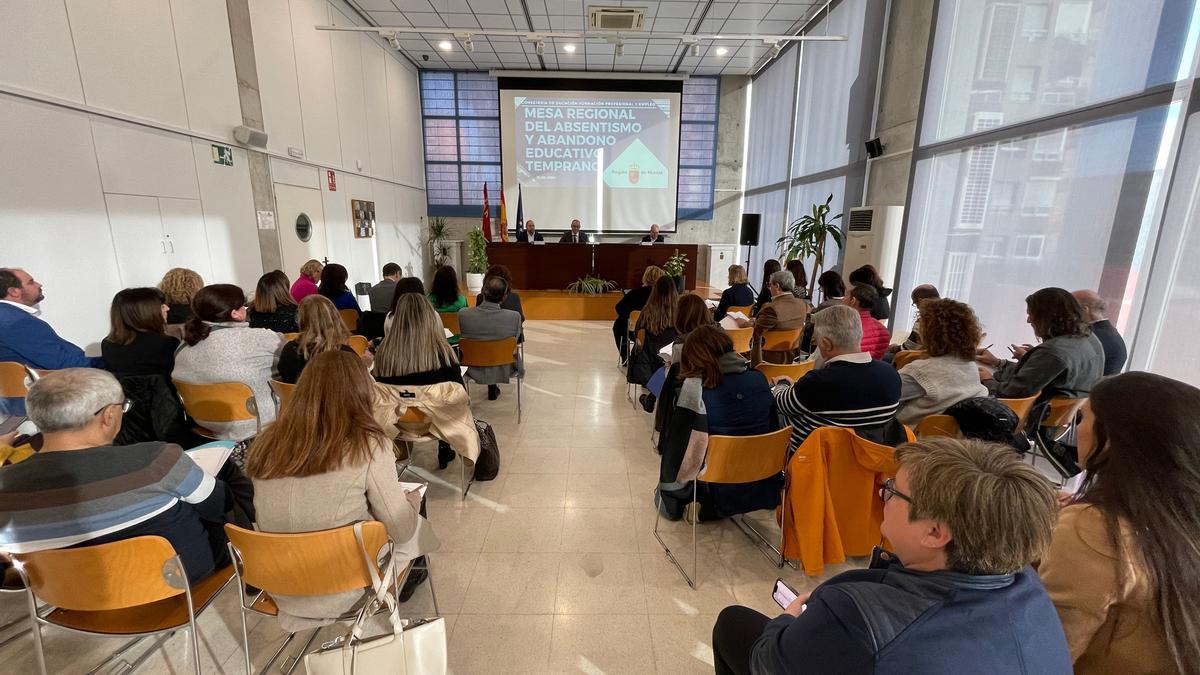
pixel 652 56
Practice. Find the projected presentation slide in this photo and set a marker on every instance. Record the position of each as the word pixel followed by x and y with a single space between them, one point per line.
pixel 609 159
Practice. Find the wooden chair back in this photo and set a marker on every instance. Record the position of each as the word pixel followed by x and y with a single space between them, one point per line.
pixel 450 321
pixel 306 563
pixel 741 338
pixel 1062 411
pixel 781 340
pixel 283 391
pixel 350 318
pixel 907 356
pixel 117 575
pixel 633 319
pixel 413 416
pixel 1022 407
pixel 938 425
pixel 639 338
pixel 795 371
pixel 358 343
pixel 748 310
pixel 485 353
pixel 218 402
pixel 745 459
pixel 290 336
pixel 12 380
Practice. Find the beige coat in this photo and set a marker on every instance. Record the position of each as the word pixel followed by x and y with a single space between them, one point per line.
pixel 784 312
pixel 367 491
pixel 1104 598
pixel 445 404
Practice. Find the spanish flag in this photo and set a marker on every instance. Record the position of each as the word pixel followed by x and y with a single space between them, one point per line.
pixel 503 217
pixel 487 217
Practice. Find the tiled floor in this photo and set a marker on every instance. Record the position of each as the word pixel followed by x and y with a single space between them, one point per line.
pixel 552 567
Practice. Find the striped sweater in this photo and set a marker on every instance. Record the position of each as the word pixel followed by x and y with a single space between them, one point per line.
pixel 97 495
pixel 851 391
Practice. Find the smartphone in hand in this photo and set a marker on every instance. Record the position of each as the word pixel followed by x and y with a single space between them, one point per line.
pixel 783 594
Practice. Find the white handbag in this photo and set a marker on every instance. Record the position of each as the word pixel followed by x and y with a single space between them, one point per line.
pixel 413 647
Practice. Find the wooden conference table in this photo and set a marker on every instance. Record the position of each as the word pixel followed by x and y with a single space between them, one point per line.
pixel 553 266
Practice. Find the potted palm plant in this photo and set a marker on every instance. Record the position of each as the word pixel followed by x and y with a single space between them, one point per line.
pixel 439 250
pixel 590 285
pixel 806 236
pixel 674 267
pixel 477 260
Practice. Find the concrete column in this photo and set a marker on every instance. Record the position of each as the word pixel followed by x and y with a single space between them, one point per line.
pixel 246 70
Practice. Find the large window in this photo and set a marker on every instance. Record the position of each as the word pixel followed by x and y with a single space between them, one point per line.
pixel 1045 139
pixel 698 148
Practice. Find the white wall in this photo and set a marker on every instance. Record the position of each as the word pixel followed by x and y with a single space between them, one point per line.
pixel 90 197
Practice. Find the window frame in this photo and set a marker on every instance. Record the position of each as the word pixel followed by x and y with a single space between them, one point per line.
pixel 466 206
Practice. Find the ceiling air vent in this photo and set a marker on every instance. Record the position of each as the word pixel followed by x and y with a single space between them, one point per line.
pixel 616 18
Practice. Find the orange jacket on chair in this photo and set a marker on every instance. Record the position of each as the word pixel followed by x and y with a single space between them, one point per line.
pixel 833 507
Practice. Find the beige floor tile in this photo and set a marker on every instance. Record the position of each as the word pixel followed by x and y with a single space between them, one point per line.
pixel 597 459
pixel 601 644
pixel 451 574
pixel 488 643
pixel 459 526
pixel 540 459
pixel 683 644
pixel 599 531
pixel 601 583
pixel 598 491
pixel 534 490
pixel 668 593
pixel 526 530
pixel 513 583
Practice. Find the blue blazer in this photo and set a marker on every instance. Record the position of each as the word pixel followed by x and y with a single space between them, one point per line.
pixel 28 340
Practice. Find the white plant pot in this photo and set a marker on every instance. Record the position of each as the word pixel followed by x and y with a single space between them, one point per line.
pixel 474 282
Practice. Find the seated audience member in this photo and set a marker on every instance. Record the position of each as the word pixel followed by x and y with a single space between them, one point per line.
pixel 784 312
pixel 1094 307
pixel 530 232
pixel 273 307
pixel 575 236
pixel 720 396
pixel 657 327
pixel 876 337
pixel 796 267
pixel 179 285
pixel 512 301
pixel 333 286
pixel 306 284
pixel 633 300
pixel 404 286
pixel 1121 568
pixel 219 346
pixel 833 289
pixel 488 320
pixel 739 293
pixel 24 337
pixel 81 489
pixel 321 330
pixel 326 463
pixel 1067 362
pixel 965 519
pixel 764 296
pixel 867 274
pixel 382 292
pixel 913 341
pixel 691 313
pixel 931 385
pixel 443 292
pixel 415 352
pixel 847 389
pixel 654 237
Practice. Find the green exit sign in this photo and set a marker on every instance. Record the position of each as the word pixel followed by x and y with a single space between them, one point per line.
pixel 222 154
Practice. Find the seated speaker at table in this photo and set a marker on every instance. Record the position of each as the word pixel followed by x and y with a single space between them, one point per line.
pixel 530 232
pixel 654 236
pixel 576 235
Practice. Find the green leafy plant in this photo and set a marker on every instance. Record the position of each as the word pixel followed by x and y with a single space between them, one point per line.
pixel 477 260
pixel 675 264
pixel 439 232
pixel 591 285
pixel 805 237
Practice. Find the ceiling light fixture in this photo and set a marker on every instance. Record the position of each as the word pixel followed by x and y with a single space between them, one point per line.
pixel 570 49
pixel 695 49
pixel 776 48
pixel 469 45
pixel 620 48
pixel 721 51
pixel 445 45
pixel 540 46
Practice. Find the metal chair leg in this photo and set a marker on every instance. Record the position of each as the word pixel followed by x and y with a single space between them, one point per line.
pixel 519 378
pixel 299 657
pixel 667 549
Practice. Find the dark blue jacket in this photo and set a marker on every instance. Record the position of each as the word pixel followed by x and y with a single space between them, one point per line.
pixel 28 340
pixel 889 619
pixel 737 295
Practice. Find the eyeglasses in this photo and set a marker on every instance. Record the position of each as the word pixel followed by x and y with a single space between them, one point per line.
pixel 125 404
pixel 889 490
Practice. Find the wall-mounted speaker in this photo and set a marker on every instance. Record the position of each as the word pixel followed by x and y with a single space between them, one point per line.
pixel 251 137
pixel 750 224
pixel 874 148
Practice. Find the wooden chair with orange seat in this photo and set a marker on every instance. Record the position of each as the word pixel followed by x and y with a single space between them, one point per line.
pixel 359 344
pixel 748 310
pixel 488 353
pixel 307 564
pixel 1022 407
pixel 218 402
pixel 132 588
pixel 938 425
pixel 629 328
pixel 290 336
pixel 13 387
pixel 907 356
pixel 736 459
pixel 350 318
pixel 792 371
pixel 639 339
pixel 450 322
pixel 742 339
pixel 1058 420
pixel 781 341
pixel 282 391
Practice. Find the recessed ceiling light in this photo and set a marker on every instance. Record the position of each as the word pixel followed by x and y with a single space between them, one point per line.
pixel 721 51
pixel 570 49
pixel 445 45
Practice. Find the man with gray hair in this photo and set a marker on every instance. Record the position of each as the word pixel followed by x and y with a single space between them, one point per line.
pixel 1115 352
pixel 848 389
pixel 784 312
pixel 81 489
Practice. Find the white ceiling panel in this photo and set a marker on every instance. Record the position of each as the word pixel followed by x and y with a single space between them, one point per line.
pixel 683 10
pixel 488 6
pixel 460 20
pixel 751 10
pixel 389 18
pixel 500 21
pixel 374 5
pixel 425 19
pixel 720 10
pixel 787 12
pixel 671 25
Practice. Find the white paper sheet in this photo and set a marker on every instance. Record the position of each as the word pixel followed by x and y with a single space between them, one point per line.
pixel 419 487
pixel 212 456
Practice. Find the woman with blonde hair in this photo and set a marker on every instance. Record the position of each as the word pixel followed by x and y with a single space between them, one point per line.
pixel 326 463
pixel 179 285
pixel 321 330
pixel 739 293
pixel 273 307
pixel 415 352
pixel 306 284
pixel 633 301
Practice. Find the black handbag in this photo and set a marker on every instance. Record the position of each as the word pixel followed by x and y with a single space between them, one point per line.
pixel 988 419
pixel 487 467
